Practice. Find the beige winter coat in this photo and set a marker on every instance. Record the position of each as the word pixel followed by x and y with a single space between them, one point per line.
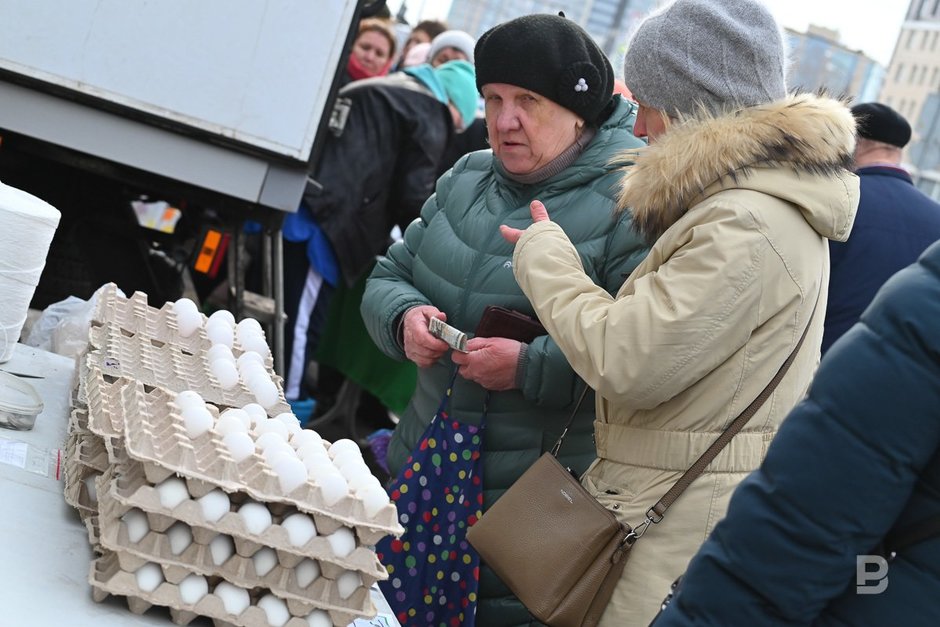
pixel 740 208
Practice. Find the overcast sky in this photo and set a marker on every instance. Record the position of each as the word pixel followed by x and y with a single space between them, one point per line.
pixel 870 26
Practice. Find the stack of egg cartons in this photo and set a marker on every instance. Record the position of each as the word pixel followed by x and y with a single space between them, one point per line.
pixel 213 501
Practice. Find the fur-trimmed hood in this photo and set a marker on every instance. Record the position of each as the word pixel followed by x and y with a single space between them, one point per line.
pixel 799 149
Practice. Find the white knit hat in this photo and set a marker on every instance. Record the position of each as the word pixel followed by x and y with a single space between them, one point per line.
pixel 719 54
pixel 454 39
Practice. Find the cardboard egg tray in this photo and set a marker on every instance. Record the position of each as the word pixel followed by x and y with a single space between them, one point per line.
pixel 237 569
pixel 131 339
pixel 85 456
pixel 128 486
pixel 107 578
pixel 155 436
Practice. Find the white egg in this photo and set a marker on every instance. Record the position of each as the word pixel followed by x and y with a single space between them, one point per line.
pixel 306 572
pixel 219 351
pixel 333 487
pixel 240 414
pixel 149 577
pixel 363 482
pixel 273 426
pixel 318 467
pixel 255 412
pixel 188 322
pixel 180 537
pixel 184 304
pixel 304 437
pixel 267 394
pixel 228 423
pixel 223 315
pixel 256 516
pixel 275 610
pixel 221 548
pixel 240 445
pixel 342 541
pixel 248 324
pixel 256 344
pixel 264 559
pixel 348 583
pixel 274 452
pixel 91 488
pixel 249 358
pixel 188 318
pixel 220 333
pixel 193 588
pixel 225 373
pixel 319 618
pixel 197 420
pixel 300 528
pixel 267 438
pixel 172 492
pixel 347 456
pixel 354 471
pixel 214 505
pixel 290 421
pixel 235 600
pixel 343 444
pixel 250 370
pixel 137 525
pixel 189 398
pixel 291 473
pixel 313 450
pixel 374 499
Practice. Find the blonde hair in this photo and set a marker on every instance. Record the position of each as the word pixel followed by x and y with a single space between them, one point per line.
pixel 381 27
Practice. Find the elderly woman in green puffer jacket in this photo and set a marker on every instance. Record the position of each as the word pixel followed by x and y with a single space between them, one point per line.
pixel 554 130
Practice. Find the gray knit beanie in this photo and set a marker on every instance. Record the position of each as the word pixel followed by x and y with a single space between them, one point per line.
pixel 718 53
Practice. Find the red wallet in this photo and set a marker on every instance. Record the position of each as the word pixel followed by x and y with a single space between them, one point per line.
pixel 502 322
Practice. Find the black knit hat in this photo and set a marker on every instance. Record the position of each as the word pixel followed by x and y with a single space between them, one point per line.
pixel 552 56
pixel 881 123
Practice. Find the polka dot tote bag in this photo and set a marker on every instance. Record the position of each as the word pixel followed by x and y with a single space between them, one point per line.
pixel 433 572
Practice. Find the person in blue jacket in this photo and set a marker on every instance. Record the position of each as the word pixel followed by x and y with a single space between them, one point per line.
pixel 854 464
pixel 895 222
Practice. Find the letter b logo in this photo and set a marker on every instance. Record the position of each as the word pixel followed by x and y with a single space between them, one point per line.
pixel 865 575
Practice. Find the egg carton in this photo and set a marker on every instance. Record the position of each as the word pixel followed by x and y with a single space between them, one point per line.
pixel 155 434
pixel 135 317
pixel 281 580
pixel 108 579
pixel 83 460
pixel 130 338
pixel 169 366
pixel 128 485
pixel 78 421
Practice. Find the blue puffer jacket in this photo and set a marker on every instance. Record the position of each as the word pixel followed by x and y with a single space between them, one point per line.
pixel 454 258
pixel 860 457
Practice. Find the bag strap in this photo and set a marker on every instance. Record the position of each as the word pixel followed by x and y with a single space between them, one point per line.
pixel 574 413
pixel 656 512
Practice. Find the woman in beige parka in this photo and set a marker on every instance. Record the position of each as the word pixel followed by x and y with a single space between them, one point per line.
pixel 739 190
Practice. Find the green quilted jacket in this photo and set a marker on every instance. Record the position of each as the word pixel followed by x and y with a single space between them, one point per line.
pixel 454 258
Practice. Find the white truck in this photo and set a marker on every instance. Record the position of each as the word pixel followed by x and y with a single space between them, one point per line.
pixel 213 106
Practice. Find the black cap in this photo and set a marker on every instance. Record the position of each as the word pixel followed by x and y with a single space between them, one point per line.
pixel 552 56
pixel 881 123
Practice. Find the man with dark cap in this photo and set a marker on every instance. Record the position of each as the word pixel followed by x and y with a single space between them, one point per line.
pixel 895 222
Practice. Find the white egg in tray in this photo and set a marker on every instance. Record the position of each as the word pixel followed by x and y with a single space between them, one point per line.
pixel 195 595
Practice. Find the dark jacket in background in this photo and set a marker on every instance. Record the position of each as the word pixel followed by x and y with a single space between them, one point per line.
pixel 379 171
pixel 857 458
pixel 894 224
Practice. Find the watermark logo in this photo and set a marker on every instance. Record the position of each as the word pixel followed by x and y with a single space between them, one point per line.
pixel 871 574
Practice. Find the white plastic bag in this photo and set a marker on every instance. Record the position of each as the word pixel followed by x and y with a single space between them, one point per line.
pixel 63 326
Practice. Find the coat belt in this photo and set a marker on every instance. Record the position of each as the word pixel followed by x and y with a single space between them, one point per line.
pixel 677 450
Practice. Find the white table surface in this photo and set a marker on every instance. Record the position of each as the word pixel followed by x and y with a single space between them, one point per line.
pixel 45 551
